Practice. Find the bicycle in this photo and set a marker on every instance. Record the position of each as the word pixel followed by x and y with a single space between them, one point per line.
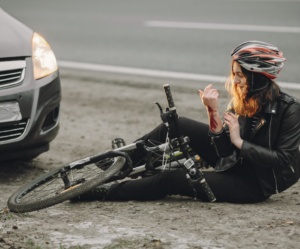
pixel 78 177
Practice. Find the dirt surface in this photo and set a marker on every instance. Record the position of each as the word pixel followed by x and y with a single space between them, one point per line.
pixel 93 112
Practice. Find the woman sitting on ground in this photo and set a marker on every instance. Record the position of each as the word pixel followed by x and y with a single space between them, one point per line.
pixel 255 153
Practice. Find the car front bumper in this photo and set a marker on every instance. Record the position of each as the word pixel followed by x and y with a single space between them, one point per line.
pixel 39 102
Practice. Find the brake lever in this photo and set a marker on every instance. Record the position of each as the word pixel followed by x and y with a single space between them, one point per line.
pixel 166 117
pixel 158 105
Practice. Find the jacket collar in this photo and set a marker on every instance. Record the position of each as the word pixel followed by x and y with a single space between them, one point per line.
pixel 271 107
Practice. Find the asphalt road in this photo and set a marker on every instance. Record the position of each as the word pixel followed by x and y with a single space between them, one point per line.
pixel 115 32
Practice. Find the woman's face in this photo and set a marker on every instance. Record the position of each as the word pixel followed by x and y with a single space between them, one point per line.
pixel 239 78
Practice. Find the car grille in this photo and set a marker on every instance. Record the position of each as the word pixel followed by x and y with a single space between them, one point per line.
pixel 12 130
pixel 11 73
pixel 11 76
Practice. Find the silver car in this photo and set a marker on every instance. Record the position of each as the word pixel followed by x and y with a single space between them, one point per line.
pixel 30 91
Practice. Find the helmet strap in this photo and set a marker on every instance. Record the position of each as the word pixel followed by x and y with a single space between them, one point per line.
pixel 250 92
pixel 252 76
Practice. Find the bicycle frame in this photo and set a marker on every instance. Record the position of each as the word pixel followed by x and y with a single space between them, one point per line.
pixel 162 148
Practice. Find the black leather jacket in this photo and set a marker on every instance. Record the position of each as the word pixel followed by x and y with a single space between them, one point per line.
pixel 272 147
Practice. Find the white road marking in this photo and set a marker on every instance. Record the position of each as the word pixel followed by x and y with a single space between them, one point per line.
pixel 221 26
pixel 156 73
pixel 261 0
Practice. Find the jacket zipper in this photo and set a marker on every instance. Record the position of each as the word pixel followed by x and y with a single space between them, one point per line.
pixel 292 168
pixel 276 187
pixel 213 142
pixel 275 182
pixel 258 127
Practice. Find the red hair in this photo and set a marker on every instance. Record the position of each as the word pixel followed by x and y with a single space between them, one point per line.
pixel 244 105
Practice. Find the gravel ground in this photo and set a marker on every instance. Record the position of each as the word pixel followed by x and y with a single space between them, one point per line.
pixel 93 112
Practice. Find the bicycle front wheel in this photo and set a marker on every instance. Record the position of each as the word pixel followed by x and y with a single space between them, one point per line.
pixel 62 184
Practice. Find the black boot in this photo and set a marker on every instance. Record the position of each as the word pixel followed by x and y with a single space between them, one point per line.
pixel 98 193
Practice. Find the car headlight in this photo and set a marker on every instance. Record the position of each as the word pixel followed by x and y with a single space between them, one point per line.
pixel 43 58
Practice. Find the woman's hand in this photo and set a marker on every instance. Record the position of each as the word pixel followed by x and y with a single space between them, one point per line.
pixel 231 120
pixel 210 100
pixel 210 97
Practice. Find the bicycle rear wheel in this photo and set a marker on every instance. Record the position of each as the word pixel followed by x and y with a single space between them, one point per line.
pixel 62 184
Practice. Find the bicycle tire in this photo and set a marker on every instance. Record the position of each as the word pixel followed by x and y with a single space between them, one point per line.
pixel 15 203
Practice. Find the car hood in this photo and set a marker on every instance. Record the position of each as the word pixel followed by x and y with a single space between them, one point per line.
pixel 15 38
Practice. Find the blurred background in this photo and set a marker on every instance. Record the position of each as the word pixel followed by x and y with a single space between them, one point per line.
pixel 169 35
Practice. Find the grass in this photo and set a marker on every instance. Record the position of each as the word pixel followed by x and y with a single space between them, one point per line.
pixel 11 216
pixel 30 242
pixel 24 215
pixel 39 246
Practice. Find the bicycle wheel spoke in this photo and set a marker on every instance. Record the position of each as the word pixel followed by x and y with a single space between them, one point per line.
pixel 56 185
pixel 40 190
pixel 63 183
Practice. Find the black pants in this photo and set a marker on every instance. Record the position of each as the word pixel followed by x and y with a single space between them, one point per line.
pixel 232 185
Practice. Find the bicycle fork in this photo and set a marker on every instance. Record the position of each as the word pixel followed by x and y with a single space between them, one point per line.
pixel 193 174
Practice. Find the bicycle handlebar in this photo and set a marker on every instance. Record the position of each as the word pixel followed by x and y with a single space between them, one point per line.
pixel 169 97
pixel 210 195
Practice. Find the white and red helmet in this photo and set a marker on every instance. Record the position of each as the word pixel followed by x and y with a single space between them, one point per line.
pixel 259 57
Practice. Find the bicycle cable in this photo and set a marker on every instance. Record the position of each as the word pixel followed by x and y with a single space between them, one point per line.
pixel 163 159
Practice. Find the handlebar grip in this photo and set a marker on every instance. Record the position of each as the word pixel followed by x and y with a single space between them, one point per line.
pixel 169 97
pixel 207 190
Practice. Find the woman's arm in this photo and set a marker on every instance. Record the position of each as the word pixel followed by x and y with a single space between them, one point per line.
pixel 209 99
pixel 219 137
pixel 287 143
